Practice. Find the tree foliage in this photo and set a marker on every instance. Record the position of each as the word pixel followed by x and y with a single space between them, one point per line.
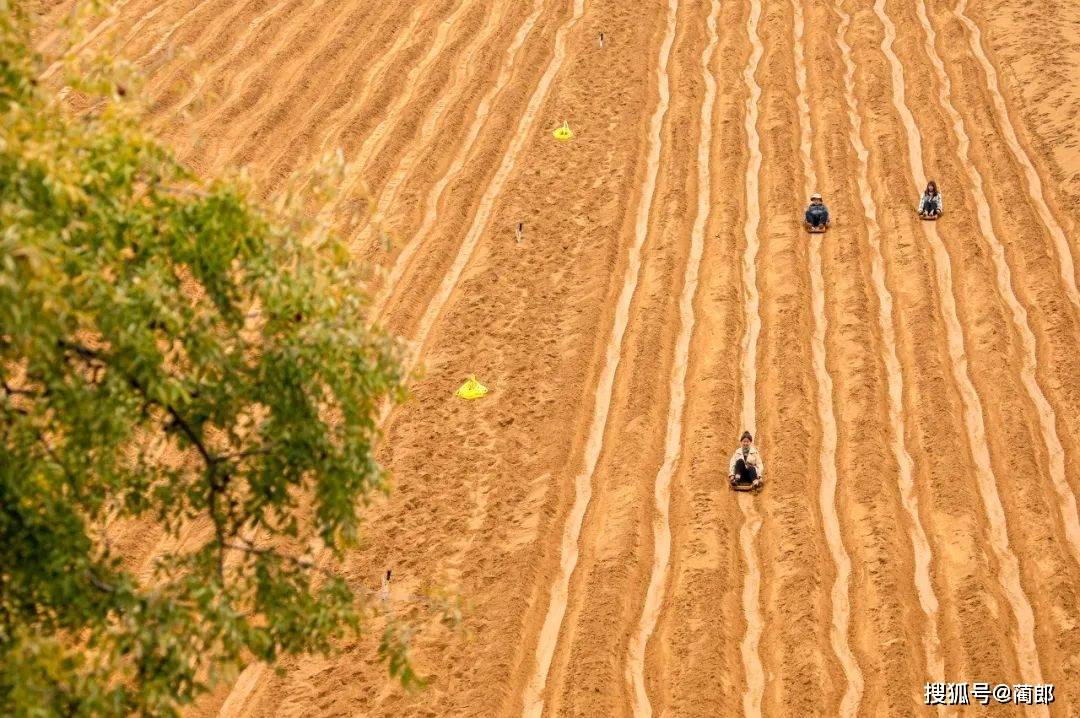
pixel 171 354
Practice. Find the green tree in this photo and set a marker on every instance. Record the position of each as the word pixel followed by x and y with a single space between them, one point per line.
pixel 170 352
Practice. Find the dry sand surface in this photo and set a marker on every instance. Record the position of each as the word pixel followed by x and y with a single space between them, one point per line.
pixel 914 387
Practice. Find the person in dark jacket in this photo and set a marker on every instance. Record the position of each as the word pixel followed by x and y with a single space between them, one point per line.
pixel 817 214
pixel 930 204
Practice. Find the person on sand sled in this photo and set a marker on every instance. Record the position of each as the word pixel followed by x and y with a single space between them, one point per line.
pixel 930 204
pixel 817 214
pixel 746 468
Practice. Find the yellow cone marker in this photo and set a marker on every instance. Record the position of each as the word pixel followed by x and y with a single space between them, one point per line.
pixel 563 133
pixel 471 389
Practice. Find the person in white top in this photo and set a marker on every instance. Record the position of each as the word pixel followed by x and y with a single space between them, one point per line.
pixel 746 465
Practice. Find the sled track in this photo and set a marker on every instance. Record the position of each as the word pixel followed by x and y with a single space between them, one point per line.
pixel 755 677
pixel 900 377
pixel 431 206
pixel 923 554
pixel 533 702
pixel 841 606
pixel 1035 187
pixel 1047 419
pixel 973 417
pixel 658 577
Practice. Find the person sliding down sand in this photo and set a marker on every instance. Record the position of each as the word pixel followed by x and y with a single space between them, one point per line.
pixel 817 214
pixel 930 204
pixel 746 465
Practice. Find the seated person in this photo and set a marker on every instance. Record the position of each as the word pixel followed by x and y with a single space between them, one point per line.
pixel 746 466
pixel 817 214
pixel 930 205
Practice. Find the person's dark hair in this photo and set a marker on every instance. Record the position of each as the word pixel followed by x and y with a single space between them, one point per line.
pixel 746 435
pixel 930 184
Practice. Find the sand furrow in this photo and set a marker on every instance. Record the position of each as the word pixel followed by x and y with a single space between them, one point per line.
pixel 654 597
pixel 923 555
pixel 375 75
pixel 287 88
pixel 134 31
pixel 533 699
pixel 215 69
pixel 231 90
pixel 751 597
pixel 275 59
pixel 390 190
pixel 1047 417
pixel 484 208
pixel 366 68
pixel 1008 566
pixel 1035 185
pixel 92 35
pixel 166 37
pixel 435 195
pixel 191 45
pixel 341 108
pixel 377 137
pixel 119 47
pixel 841 604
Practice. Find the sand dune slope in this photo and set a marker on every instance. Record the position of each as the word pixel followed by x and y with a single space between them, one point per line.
pixel 913 387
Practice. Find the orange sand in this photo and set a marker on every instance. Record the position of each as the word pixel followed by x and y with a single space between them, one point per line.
pixel 914 388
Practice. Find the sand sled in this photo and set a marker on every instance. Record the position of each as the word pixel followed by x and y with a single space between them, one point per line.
pixel 816 230
pixel 754 486
pixel 929 217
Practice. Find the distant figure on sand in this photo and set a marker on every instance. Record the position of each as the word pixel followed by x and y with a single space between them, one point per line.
pixel 817 214
pixel 930 204
pixel 746 467
pixel 384 591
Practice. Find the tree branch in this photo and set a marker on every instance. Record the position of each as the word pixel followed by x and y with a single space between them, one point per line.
pixel 99 584
pixel 218 482
pixel 177 420
pixel 12 391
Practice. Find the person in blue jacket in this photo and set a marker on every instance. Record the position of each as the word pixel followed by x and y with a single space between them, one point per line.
pixel 817 214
